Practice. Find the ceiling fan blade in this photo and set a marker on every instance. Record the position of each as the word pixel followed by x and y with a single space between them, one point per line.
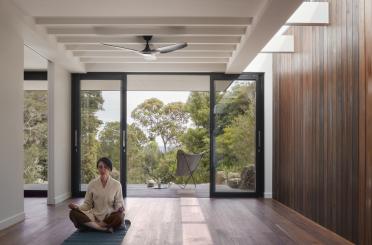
pixel 121 47
pixel 171 48
pixel 149 57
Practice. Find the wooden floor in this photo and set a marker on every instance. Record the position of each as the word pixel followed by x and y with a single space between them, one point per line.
pixel 181 221
pixel 173 190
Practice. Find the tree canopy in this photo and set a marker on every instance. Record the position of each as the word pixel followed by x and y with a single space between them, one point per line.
pixel 35 136
pixel 164 120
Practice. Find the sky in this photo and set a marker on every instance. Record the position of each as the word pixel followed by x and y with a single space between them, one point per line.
pixel 111 105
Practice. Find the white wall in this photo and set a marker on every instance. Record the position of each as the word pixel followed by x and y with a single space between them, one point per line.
pixel 264 63
pixel 59 121
pixel 11 123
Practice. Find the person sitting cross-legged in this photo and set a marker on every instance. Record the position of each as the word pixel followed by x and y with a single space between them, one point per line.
pixel 103 207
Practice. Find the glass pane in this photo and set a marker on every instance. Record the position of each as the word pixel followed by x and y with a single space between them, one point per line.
pixel 167 113
pixel 100 127
pixel 35 138
pixel 235 127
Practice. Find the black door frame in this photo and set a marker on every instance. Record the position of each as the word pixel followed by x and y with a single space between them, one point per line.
pixel 260 180
pixel 75 125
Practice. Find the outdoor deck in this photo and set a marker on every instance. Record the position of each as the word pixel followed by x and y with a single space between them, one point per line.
pixel 201 190
pixel 141 190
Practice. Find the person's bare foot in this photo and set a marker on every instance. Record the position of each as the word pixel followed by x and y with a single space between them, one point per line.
pixel 102 224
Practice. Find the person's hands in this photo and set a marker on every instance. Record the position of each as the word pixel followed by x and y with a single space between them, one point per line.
pixel 73 206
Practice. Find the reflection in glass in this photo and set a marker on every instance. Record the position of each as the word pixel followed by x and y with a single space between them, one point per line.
pixel 234 132
pixel 100 127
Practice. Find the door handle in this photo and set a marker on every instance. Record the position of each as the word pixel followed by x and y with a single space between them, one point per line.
pixel 259 141
pixel 124 136
pixel 76 140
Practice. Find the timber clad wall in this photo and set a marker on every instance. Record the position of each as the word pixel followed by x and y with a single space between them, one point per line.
pixel 316 121
pixel 323 122
pixel 365 124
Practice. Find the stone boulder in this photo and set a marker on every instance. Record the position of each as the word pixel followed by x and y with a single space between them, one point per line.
pixel 248 178
pixel 220 177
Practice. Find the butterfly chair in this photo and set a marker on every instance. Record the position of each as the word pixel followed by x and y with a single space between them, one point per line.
pixel 187 164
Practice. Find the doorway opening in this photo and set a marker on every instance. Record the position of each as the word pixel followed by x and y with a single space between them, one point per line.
pixel 35 144
pixel 165 114
pixel 143 121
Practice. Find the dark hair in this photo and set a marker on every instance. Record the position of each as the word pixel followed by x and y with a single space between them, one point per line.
pixel 105 161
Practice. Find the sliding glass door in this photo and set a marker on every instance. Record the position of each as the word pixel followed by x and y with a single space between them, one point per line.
pixel 237 135
pixel 218 116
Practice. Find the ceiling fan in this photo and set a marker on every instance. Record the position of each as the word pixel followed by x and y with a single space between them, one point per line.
pixel 150 53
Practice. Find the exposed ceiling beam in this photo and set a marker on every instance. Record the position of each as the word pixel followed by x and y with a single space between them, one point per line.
pixel 146 21
pixel 263 28
pixel 177 54
pixel 176 30
pixel 139 8
pixel 154 40
pixel 140 46
pixel 159 60
pixel 155 67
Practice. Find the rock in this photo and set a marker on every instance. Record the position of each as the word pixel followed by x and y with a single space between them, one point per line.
pixel 220 177
pixel 150 183
pixel 233 175
pixel 248 178
pixel 233 182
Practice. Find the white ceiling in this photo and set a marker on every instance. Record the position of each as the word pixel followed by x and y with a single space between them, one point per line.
pixel 222 35
pixel 130 8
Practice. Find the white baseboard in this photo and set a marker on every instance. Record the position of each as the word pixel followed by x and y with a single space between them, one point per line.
pixel 59 198
pixel 268 195
pixel 5 223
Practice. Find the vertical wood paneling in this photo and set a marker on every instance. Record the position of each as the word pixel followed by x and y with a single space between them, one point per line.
pixel 316 121
pixel 362 128
pixel 365 197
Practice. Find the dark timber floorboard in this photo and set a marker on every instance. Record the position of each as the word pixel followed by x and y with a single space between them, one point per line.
pixel 181 221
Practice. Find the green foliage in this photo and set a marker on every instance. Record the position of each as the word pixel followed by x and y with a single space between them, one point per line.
pixel 197 106
pixel 152 166
pixel 237 100
pixel 235 128
pixel 136 141
pixel 148 115
pixel 236 147
pixel 166 121
pixel 35 136
pixel 109 139
pixel 235 123
pixel 91 102
pixel 196 139
pixel 235 135
pixel 33 169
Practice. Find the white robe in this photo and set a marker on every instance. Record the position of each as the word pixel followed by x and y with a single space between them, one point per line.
pixel 101 201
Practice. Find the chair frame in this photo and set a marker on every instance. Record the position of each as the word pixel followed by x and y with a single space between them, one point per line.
pixel 191 172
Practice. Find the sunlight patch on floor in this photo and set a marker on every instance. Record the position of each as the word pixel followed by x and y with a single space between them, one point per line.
pixel 194 227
